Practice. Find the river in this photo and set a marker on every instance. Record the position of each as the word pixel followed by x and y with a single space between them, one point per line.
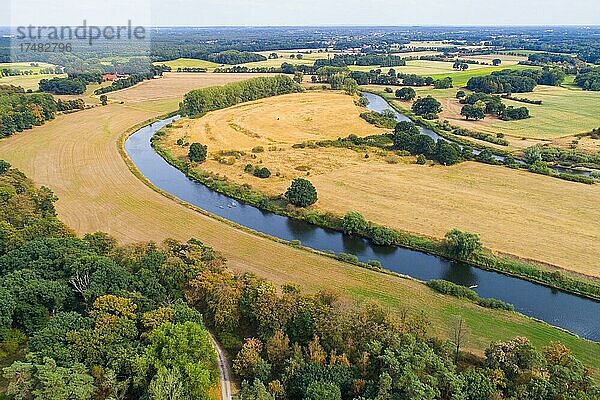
pixel 576 314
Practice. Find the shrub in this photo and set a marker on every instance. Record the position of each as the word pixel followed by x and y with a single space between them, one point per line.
pixel 421 160
pixel 374 263
pixel 354 223
pixel 258 149
pixel 540 167
pixel 197 152
pixel 4 166
pixel 495 303
pixel 462 244
pixel 349 258
pixel 452 289
pixel 249 168
pixel 301 193
pixel 383 236
pixel 262 172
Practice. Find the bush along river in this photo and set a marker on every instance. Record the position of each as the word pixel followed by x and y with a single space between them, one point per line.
pixel 571 312
pixel 379 104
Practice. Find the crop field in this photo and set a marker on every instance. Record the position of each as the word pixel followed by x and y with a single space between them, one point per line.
pixel 77 156
pixel 189 63
pixel 172 86
pixel 490 200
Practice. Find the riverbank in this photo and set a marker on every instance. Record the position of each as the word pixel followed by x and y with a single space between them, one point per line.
pixel 484 260
pixel 394 291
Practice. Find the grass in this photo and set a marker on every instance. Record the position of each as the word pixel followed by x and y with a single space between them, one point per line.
pixel 28 81
pixel 77 157
pixel 507 208
pixel 460 79
pixel 565 111
pixel 26 66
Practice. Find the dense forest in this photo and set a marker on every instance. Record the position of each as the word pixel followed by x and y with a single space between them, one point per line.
pixel 90 319
pixel 203 100
pixel 93 320
pixel 20 110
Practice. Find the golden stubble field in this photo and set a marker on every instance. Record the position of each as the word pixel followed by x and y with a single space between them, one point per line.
pixel 77 156
pixel 516 212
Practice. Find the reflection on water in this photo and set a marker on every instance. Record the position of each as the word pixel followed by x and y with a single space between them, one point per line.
pixel 568 311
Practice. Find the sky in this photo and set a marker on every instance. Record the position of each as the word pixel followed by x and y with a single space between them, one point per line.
pixel 305 12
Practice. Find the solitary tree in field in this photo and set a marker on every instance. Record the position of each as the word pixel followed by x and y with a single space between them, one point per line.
pixel 406 93
pixel 462 244
pixel 301 193
pixel 427 107
pixel 496 61
pixel 197 152
pixel 103 100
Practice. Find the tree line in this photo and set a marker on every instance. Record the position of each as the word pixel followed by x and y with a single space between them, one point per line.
pixel 20 111
pixel 325 346
pixel 200 101
pixel 343 60
pixel 515 81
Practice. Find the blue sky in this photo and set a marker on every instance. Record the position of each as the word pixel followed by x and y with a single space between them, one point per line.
pixel 307 12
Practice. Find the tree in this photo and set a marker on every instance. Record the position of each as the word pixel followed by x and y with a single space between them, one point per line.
pixel 298 76
pixel 471 111
pixel 496 62
pixel 180 355
pixel 447 153
pixel 383 236
pixel 198 152
pixel 103 99
pixel 406 93
pixel 427 106
pixel 47 381
pixel 462 244
pixel 354 223
pixel 460 94
pixel 350 86
pixel 321 390
pixel 533 154
pixel 421 160
pixel 460 335
pixel 301 193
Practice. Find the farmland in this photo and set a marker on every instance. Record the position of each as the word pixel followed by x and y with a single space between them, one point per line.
pixel 565 111
pixel 77 157
pixel 189 63
pixel 489 200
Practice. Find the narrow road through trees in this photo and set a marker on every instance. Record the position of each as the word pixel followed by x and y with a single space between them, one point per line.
pixel 224 371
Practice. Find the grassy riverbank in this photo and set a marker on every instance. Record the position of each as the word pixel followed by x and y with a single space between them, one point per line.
pixel 276 204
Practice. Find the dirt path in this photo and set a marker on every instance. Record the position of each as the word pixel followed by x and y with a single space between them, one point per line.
pixel 223 370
